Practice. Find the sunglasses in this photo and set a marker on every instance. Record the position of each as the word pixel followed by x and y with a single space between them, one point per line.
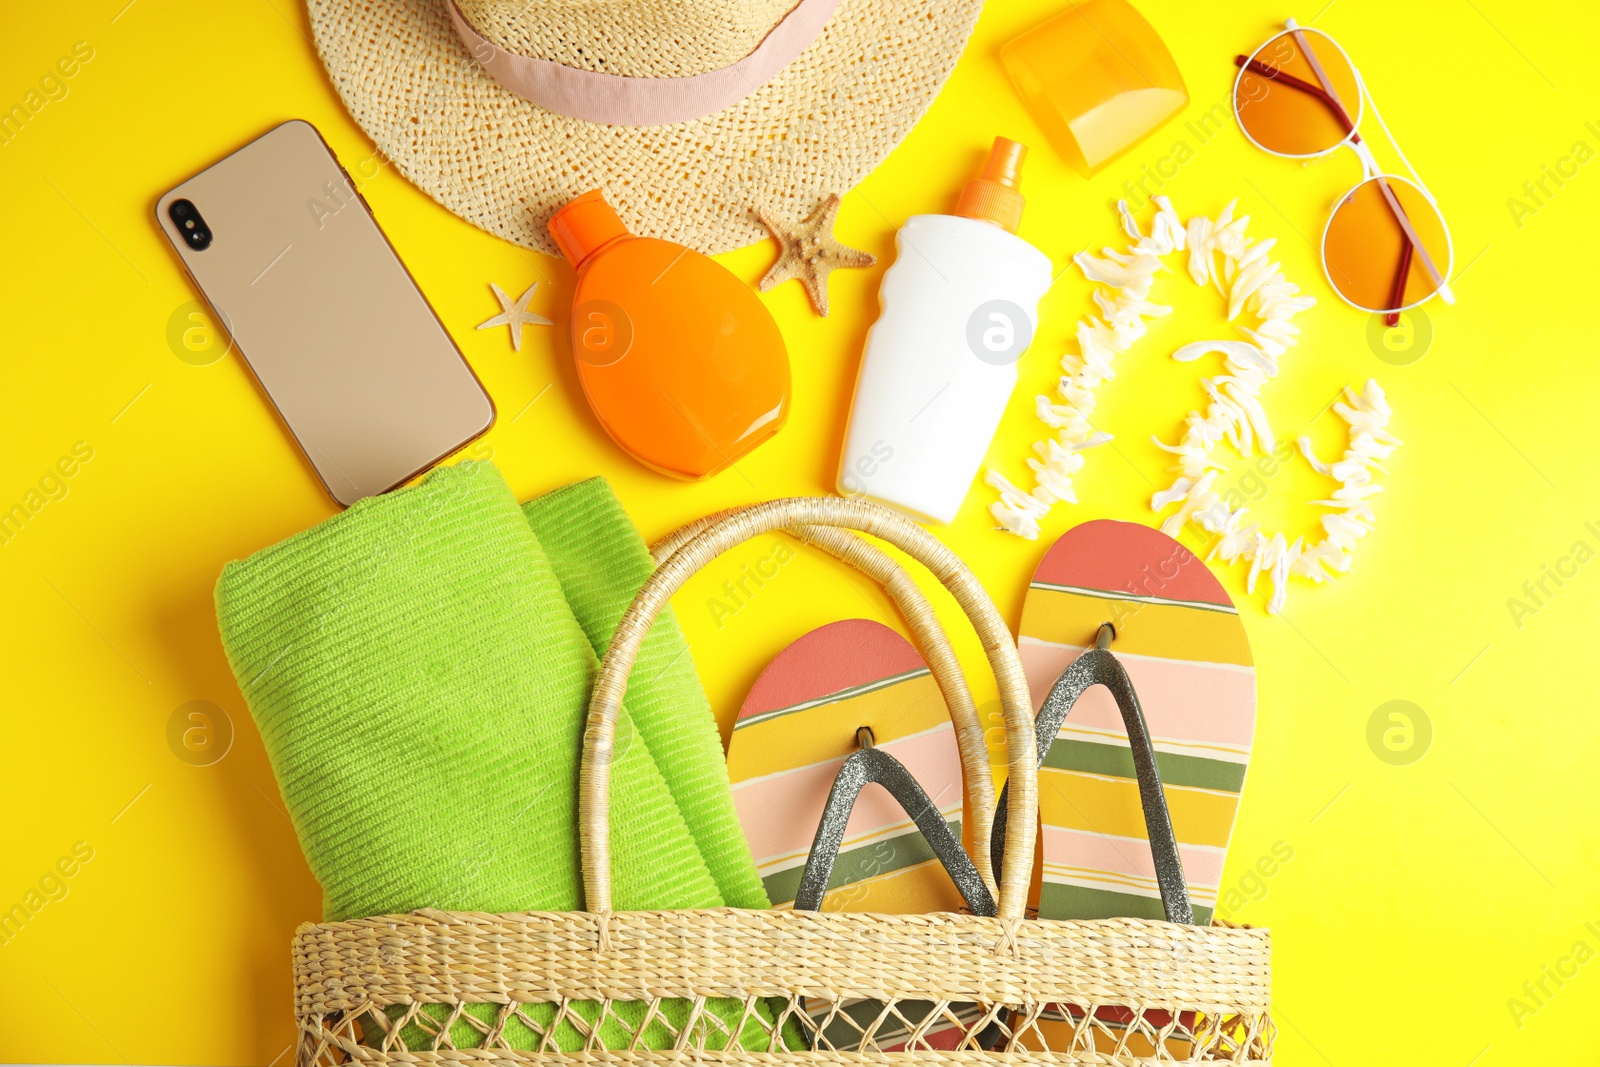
pixel 1386 247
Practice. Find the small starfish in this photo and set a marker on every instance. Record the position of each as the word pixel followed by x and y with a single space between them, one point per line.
pixel 515 315
pixel 808 252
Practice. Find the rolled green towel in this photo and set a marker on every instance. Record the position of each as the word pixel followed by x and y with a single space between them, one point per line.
pixel 601 562
pixel 420 681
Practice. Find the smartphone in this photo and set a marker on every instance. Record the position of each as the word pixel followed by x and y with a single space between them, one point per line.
pixel 330 322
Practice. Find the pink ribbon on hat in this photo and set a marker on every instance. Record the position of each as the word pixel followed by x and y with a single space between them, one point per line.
pixel 619 100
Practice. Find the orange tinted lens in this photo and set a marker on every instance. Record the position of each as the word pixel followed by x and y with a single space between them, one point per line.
pixel 1284 104
pixel 1369 258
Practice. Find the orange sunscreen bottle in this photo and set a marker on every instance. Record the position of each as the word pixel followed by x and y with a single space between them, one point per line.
pixel 681 362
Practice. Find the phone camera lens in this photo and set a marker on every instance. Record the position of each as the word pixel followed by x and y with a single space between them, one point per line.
pixel 191 224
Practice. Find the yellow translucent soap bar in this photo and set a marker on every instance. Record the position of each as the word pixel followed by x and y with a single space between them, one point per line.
pixel 1096 79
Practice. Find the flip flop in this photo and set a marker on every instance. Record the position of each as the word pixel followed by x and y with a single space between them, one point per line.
pixel 1139 787
pixel 1184 648
pixel 797 728
pixel 793 734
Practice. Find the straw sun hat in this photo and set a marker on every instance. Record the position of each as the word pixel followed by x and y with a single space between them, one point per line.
pixel 688 114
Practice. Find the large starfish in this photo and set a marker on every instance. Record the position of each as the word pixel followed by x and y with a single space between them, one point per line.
pixel 808 251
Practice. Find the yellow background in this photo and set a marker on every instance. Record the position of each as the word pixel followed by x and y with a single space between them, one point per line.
pixel 1419 898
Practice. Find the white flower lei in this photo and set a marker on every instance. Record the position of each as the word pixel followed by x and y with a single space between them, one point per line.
pixel 1255 286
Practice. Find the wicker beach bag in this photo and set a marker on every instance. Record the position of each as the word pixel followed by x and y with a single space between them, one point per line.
pixel 437 987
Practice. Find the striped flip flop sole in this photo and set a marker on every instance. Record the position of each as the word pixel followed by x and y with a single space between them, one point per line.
pixel 793 733
pixel 1185 650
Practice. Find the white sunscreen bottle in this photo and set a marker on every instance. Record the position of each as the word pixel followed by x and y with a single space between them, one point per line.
pixel 959 307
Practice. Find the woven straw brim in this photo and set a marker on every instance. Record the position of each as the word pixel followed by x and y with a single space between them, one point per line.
pixel 506 165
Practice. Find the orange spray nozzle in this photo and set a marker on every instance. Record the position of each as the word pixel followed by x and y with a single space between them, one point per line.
pixel 994 195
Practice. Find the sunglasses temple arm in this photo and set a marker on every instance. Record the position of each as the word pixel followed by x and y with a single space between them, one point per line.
pixel 1441 283
pixel 1397 294
pixel 1267 70
pixel 1412 241
pixel 1316 64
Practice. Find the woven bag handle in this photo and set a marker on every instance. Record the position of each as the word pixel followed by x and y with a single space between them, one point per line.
pixel 931 641
pixel 594 780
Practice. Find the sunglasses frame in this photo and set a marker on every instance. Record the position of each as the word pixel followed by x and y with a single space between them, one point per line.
pixel 1370 170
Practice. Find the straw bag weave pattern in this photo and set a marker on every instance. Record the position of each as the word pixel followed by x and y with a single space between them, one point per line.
pixel 596 986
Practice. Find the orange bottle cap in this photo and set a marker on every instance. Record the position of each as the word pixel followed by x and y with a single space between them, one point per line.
pixel 1097 80
pixel 583 224
pixel 993 196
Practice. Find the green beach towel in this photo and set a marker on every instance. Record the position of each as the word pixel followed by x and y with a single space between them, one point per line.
pixel 419 669
pixel 601 562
